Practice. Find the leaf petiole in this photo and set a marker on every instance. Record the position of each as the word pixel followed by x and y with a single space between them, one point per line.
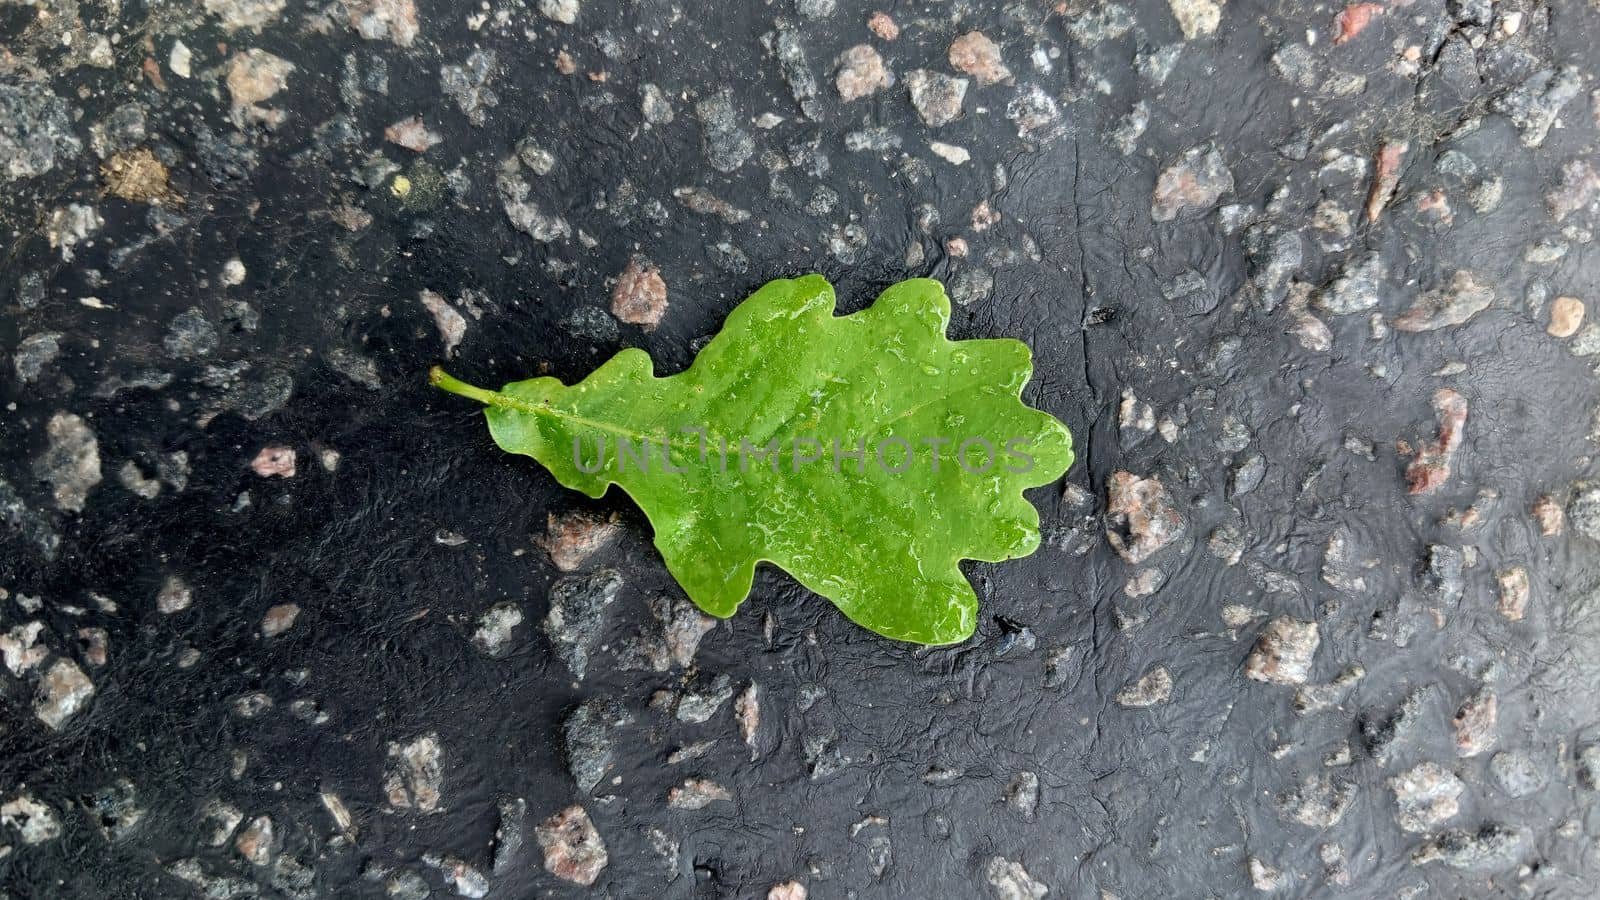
pixel 441 379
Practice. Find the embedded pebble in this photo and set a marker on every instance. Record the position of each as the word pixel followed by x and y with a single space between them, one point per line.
pixel 975 54
pixel 937 97
pixel 1195 181
pixel 577 614
pixel 697 793
pixel 63 692
pixel 640 296
pixel 495 629
pixel 1284 652
pixel 861 73
pixel 1140 516
pixel 415 775
pixel 1427 796
pixel 71 463
pixel 1150 689
pixel 573 849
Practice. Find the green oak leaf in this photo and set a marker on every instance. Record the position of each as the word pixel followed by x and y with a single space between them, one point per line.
pixel 750 454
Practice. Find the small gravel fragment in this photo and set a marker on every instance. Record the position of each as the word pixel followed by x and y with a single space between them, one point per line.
pixel 71 225
pixel 255 76
pixel 654 105
pixel 36 351
pixel 697 793
pixel 63 691
pixel 34 821
pixel 697 706
pixel 274 462
pixel 577 615
pixel 1035 113
pixel 572 537
pixel 1355 289
pixel 1492 847
pixel 1140 517
pixel 35 129
pixel 1584 510
pixel 563 11
pixel 640 295
pixel 727 146
pixel 1516 773
pixel 20 649
pixel 975 54
pixel 587 738
pixel 412 134
pixel 1431 467
pixel 1022 794
pixel 1475 723
pixel 414 779
pixel 1464 298
pixel 1385 177
pixel 279 619
pixel 494 633
pixel 572 847
pixel 936 96
pixel 1427 796
pixel 459 874
pixel 377 20
pixel 254 843
pixel 1197 18
pixel 1196 181
pixel 861 73
pixel 1317 801
pixel 451 324
pixel 508 833
pixel 680 626
pixel 71 463
pixel 190 335
pixel 1514 589
pixel 1010 881
pixel 747 712
pixel 468 85
pixel 1534 105
pixel 1152 688
pixel 1566 317
pixel 174 596
pixel 1284 652
pixel 1552 519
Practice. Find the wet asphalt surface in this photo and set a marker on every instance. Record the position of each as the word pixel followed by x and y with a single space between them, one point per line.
pixel 1317 611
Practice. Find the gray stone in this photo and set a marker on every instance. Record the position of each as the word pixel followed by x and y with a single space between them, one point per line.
pixel 1583 512
pixel 34 352
pixel 35 130
pixel 1427 795
pixel 1491 847
pixel 577 615
pixel 1516 773
pixel 1196 181
pixel 1355 290
pixel 1534 105
pixel 71 463
pixel 1008 880
pixel 936 96
pixel 587 738
pixel 468 85
pixel 727 145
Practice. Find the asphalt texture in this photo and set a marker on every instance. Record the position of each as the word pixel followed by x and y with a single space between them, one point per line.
pixel 1316 613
